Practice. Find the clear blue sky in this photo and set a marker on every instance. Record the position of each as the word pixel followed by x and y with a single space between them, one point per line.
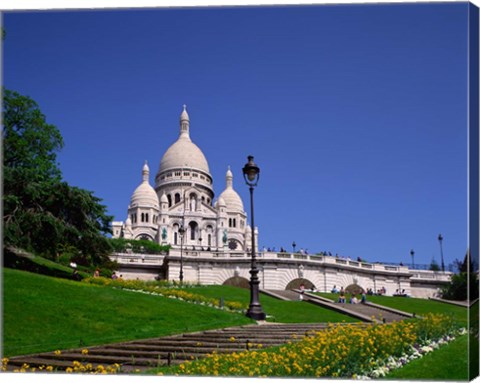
pixel 356 114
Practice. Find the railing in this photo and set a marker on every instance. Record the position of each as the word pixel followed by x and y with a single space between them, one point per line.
pixel 137 258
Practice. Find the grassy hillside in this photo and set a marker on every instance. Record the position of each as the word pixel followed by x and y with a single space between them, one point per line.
pixel 277 310
pixel 450 362
pixel 42 313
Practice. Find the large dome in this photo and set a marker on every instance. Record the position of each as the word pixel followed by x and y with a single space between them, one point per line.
pixel 183 153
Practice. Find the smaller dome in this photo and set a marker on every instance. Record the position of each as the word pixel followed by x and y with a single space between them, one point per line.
pixel 144 195
pixel 163 198
pixel 221 201
pixel 230 196
pixel 128 222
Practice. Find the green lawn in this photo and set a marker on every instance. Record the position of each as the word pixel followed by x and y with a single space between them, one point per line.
pixel 280 311
pixel 42 313
pixel 415 305
pixel 449 362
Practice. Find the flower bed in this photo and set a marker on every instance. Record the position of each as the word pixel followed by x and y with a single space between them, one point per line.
pixel 167 290
pixel 347 351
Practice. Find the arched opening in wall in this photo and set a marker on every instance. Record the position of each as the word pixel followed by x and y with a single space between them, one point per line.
pixel 296 283
pixel 177 198
pixel 354 289
pixel 175 234
pixel 209 235
pixel 237 282
pixel 144 237
pixel 169 197
pixel 193 230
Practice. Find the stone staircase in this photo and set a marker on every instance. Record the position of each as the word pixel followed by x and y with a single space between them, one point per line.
pixel 170 350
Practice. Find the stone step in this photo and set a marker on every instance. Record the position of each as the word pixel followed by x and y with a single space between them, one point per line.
pixel 164 350
pixel 161 345
pixel 242 338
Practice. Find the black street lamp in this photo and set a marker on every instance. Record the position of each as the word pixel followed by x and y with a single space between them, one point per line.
pixel 440 239
pixel 294 245
pixel 181 231
pixel 251 173
pixel 412 253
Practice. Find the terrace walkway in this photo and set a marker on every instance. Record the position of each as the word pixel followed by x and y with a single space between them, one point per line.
pixel 368 312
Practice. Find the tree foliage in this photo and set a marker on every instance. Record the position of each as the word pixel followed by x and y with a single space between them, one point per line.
pixel 29 142
pixel 434 266
pixel 138 246
pixel 43 213
pixel 463 285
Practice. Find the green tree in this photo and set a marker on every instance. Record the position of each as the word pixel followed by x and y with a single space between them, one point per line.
pixel 463 285
pixel 29 142
pixel 42 213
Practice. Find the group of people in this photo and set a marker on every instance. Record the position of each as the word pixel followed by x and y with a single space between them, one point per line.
pixel 400 293
pixel 353 298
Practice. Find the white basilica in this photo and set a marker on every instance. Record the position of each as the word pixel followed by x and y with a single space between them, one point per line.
pixel 183 199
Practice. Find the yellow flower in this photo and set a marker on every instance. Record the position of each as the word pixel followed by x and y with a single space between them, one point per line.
pixel 84 351
pixel 57 352
pixel 232 339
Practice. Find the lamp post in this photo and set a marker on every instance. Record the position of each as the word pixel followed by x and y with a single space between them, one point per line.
pixel 294 245
pixel 181 231
pixel 251 173
pixel 440 239
pixel 412 253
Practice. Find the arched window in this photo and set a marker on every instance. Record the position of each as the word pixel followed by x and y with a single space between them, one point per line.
pixel 193 230
pixel 142 217
pixel 169 200
pixel 177 198
pixel 229 222
pixel 146 217
pixel 175 234
pixel 209 231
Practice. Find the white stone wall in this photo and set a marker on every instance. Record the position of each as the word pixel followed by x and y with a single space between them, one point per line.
pixel 276 271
